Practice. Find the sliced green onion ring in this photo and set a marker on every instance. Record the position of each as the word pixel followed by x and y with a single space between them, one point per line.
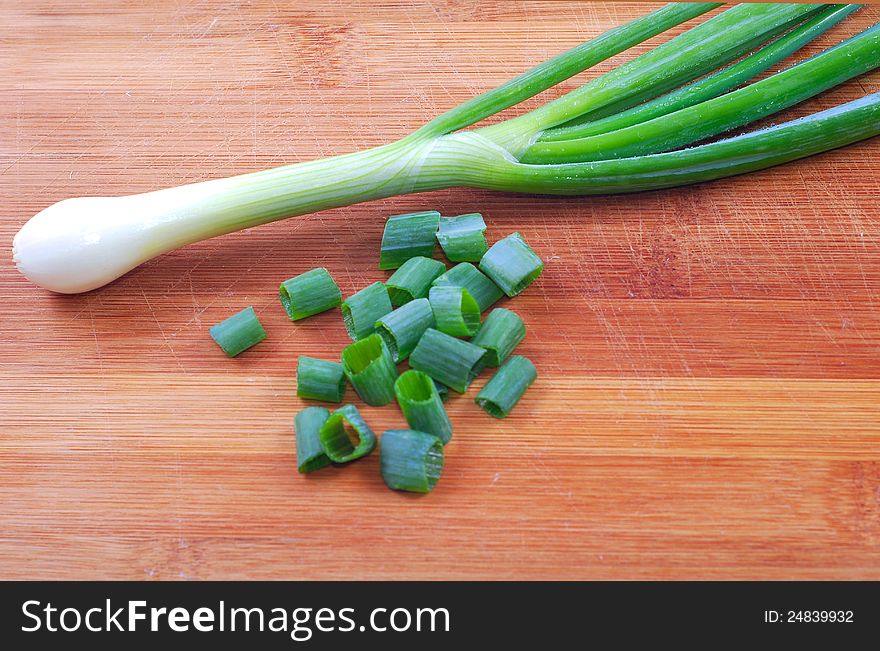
pixel 318 379
pixel 413 279
pixel 501 332
pixel 370 368
pixel 239 332
pixel 455 311
pixel 309 453
pixel 512 264
pixel 451 361
pixel 402 328
pixel 345 436
pixel 407 236
pixel 507 386
pixel 421 405
pixel 310 293
pixel 484 291
pixel 360 311
pixel 463 238
pixel 410 461
pixel 442 390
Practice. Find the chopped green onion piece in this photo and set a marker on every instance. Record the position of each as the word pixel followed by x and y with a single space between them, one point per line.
pixel 309 453
pixel 360 311
pixel 507 386
pixel 310 293
pixel 511 264
pixel 407 236
pixel 402 328
pixel 413 279
pixel 370 369
pixel 239 332
pixel 442 390
pixel 318 379
pixel 463 238
pixel 410 461
pixel 455 311
pixel 451 361
pixel 501 332
pixel 345 436
pixel 484 291
pixel 421 405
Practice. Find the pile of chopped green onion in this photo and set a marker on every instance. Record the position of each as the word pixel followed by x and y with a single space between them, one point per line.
pixel 436 327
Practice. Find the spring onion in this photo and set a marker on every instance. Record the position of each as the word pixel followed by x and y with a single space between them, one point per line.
pixel 345 435
pixel 442 390
pixel 512 264
pixel 310 293
pixel 507 386
pixel 402 328
pixel 484 291
pixel 463 238
pixel 370 368
pixel 239 332
pixel 410 461
pixel 501 332
pixel 360 311
pixel 455 311
pixel 413 279
pixel 408 236
pixel 318 379
pixel 309 453
pixel 80 244
pixel 421 405
pixel 446 359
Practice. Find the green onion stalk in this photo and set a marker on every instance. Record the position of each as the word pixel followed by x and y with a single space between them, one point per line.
pixel 586 142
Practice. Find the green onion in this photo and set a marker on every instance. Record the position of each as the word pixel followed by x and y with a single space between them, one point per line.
pixel 442 390
pixel 501 332
pixel 463 238
pixel 410 461
pixel 239 332
pixel 511 264
pixel 309 453
pixel 455 311
pixel 408 236
pixel 402 328
pixel 318 379
pixel 413 279
pixel 507 386
pixel 370 369
pixel 451 361
pixel 345 436
pixel 421 405
pixel 484 291
pixel 310 293
pixel 360 311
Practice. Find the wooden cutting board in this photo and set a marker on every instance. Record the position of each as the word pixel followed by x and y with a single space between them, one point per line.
pixel 709 356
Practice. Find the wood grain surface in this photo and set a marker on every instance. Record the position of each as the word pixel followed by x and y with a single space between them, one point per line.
pixel 709 357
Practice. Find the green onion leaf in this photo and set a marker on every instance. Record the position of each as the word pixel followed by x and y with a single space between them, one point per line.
pixel 463 238
pixel 310 293
pixel 408 236
pixel 309 453
pixel 507 386
pixel 370 369
pixel 501 332
pixel 402 328
pixel 413 279
pixel 455 311
pixel 421 405
pixel 318 379
pixel 410 461
pixel 239 332
pixel 484 291
pixel 360 311
pixel 442 390
pixel 451 361
pixel 511 264
pixel 345 436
